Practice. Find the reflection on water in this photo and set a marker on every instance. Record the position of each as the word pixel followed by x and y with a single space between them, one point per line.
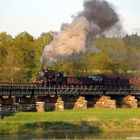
pixel 75 136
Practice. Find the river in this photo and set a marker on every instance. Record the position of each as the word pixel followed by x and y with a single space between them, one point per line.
pixel 75 136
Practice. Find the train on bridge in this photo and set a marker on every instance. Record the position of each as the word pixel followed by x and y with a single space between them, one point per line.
pixel 50 82
pixel 112 81
pixel 57 91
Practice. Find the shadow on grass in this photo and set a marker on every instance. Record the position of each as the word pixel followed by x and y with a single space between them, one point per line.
pixel 59 127
pixel 5 114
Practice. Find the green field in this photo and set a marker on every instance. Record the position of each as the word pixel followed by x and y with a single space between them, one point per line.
pixel 90 120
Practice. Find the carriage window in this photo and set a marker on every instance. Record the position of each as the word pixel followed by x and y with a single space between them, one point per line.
pixel 96 78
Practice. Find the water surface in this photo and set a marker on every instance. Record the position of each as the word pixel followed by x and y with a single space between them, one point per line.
pixel 75 136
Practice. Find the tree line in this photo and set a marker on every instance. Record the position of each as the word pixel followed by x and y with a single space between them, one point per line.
pixel 20 57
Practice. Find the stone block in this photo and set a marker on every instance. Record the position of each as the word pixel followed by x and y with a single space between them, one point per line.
pixel 40 106
pixel 105 102
pixel 81 103
pixel 59 106
pixel 130 102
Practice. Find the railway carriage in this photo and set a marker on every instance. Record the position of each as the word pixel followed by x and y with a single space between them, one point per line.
pixel 112 81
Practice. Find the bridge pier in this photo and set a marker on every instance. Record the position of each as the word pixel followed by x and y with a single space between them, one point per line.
pixel 59 105
pixel 40 107
pixel 80 103
pixel 105 102
pixel 130 102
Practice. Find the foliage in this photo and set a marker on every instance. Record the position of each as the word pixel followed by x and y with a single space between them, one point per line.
pixel 39 45
pixel 20 57
pixel 132 40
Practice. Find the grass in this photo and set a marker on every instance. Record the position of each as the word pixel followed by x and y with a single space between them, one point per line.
pixel 92 120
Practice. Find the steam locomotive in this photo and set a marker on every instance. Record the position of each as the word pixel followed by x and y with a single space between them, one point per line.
pixel 113 81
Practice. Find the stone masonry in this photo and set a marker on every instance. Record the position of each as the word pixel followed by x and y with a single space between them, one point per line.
pixel 81 103
pixel 59 105
pixel 40 107
pixel 105 102
pixel 130 102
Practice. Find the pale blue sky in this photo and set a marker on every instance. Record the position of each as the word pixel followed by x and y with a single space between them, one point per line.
pixel 37 16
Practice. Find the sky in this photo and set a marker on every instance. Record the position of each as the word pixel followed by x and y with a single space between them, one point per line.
pixel 37 16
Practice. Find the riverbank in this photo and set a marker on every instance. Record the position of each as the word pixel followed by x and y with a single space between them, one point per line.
pixel 90 120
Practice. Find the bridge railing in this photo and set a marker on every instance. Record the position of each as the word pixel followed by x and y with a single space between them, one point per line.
pixel 6 85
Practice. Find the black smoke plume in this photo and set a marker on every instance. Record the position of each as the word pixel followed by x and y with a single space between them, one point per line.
pixel 97 17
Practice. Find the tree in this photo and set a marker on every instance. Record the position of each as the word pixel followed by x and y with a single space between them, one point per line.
pixel 25 43
pixel 117 50
pixel 39 46
pixel 134 59
pixel 13 69
pixel 102 62
pixel 5 42
pixel 132 40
